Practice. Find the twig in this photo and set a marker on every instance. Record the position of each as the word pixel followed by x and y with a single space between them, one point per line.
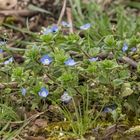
pixel 77 91
pixel 16 122
pixel 103 55
pixel 32 118
pixel 69 18
pixel 130 61
pixel 85 53
pixel 125 59
pixel 11 85
pixel 62 12
pixel 17 12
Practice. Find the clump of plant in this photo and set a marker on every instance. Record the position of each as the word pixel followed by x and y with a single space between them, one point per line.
pixel 61 68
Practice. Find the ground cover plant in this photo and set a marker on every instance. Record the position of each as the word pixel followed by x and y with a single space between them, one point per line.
pixel 74 81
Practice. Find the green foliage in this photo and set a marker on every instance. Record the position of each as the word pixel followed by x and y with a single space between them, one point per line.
pixel 107 80
pixel 7 113
pixel 80 121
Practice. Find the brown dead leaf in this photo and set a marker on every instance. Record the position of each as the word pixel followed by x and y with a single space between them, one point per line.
pixel 110 130
pixel 1 20
pixel 104 3
pixel 35 138
pixel 85 1
pixel 34 129
pixel 7 4
pixel 41 123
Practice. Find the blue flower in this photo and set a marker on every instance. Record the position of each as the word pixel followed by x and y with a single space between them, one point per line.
pixel 43 92
pixel 47 31
pixel 1 51
pixel 93 59
pixel 10 60
pixel 85 26
pixel 2 43
pixel 66 98
pixel 70 62
pixel 133 49
pixel 65 24
pixel 45 60
pixel 52 29
pixel 109 108
pixel 23 91
pixel 125 47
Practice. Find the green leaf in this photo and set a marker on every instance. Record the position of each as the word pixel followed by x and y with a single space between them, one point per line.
pixel 134 4
pixel 110 41
pixel 38 9
pixel 92 68
pixel 127 92
pixel 117 82
pixel 124 74
pixel 103 79
pixel 109 64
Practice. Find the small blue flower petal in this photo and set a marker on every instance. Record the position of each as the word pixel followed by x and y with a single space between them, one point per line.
pixel 43 92
pixel 66 98
pixel 2 43
pixel 52 29
pixel 93 59
pixel 109 109
pixel 47 31
pixel 70 62
pixel 1 51
pixel 65 24
pixel 85 27
pixel 10 60
pixel 125 47
pixel 133 49
pixel 23 91
pixel 45 60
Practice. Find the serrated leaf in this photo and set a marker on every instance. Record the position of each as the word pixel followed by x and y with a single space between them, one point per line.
pixel 117 82
pixel 127 92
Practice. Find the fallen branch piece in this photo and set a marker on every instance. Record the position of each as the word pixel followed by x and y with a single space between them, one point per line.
pixel 130 61
pixel 69 18
pixel 10 85
pixel 62 12
pixel 24 12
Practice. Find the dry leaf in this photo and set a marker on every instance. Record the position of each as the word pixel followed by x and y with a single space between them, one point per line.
pixel 7 4
pixel 41 123
pixel 35 138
